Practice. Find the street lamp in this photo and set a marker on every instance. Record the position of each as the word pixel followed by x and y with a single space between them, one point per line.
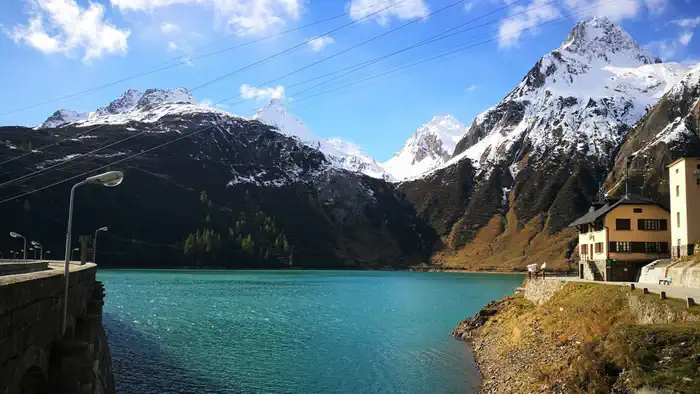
pixel 94 243
pixel 109 179
pixel 17 235
pixel 34 250
pixel 41 249
pixel 74 250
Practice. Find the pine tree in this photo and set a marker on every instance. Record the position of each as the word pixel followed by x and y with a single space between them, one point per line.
pixel 203 197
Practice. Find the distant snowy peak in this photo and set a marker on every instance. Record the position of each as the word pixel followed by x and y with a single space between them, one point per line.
pixel 431 145
pixel 599 37
pixel 276 115
pixel 340 153
pixel 63 117
pixel 133 105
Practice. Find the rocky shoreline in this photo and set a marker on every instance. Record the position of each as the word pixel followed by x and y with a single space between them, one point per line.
pixel 553 337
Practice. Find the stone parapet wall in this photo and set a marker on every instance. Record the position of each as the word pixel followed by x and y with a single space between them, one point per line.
pixel 33 349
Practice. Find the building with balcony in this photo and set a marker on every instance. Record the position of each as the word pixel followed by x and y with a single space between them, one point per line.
pixel 618 237
pixel 684 181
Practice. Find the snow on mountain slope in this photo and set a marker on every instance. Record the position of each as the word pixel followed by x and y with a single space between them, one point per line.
pixel 340 153
pixel 428 148
pixel 581 97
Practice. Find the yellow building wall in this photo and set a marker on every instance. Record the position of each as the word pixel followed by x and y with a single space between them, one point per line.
pixel 635 234
pixel 685 202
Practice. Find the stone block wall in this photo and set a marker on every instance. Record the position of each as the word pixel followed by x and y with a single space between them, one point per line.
pixel 33 350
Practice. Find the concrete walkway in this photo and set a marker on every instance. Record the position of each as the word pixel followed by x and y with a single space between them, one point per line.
pixel 671 291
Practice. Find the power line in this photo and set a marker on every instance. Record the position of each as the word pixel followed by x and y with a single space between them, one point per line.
pixel 357 45
pixel 249 66
pixel 437 37
pixel 308 97
pixel 166 65
pixel 463 48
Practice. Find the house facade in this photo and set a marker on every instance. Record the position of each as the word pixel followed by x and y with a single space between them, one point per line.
pixel 684 182
pixel 617 238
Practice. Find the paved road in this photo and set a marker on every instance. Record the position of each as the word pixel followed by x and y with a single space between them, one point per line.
pixel 671 291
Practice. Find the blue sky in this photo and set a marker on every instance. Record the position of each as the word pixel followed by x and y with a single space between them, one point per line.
pixel 50 48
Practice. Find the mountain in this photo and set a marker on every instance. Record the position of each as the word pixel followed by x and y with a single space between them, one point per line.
pixel 63 117
pixel 223 192
pixel 428 148
pixel 532 163
pixel 341 153
pixel 669 131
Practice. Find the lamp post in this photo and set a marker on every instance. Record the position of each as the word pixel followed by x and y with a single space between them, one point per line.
pixel 41 249
pixel 12 254
pixel 94 243
pixel 33 250
pixel 74 250
pixel 17 235
pixel 109 179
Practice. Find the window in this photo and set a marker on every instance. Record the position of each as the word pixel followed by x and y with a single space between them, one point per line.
pixel 599 248
pixel 676 170
pixel 621 247
pixel 678 190
pixel 584 249
pixel 678 219
pixel 652 224
pixel 645 247
pixel 623 224
pixel 638 210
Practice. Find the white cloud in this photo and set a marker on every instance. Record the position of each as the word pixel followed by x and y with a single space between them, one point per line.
pixel 168 27
pixel 321 42
pixel 470 88
pixel 468 6
pixel 408 9
pixel 172 46
pixel 512 28
pixel 245 17
pixel 687 22
pixel 251 92
pixel 62 26
pixel 618 9
pixel 685 38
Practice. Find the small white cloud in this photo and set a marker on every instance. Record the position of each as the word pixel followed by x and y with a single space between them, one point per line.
pixel 407 9
pixel 168 28
pixel 687 22
pixel 172 46
pixel 210 103
pixel 62 26
pixel 470 88
pixel 245 17
pixel 319 43
pixel 685 38
pixel 251 92
pixel 618 9
pixel 537 12
pixel 468 6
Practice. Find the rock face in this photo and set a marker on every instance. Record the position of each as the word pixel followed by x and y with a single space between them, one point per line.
pixel 538 157
pixel 235 193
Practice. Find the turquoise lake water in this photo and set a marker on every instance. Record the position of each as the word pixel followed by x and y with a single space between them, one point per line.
pixel 176 331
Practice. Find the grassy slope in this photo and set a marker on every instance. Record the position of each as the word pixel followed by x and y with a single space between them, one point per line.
pixel 585 339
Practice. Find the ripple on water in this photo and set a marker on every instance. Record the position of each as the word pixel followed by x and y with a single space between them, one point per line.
pixel 302 331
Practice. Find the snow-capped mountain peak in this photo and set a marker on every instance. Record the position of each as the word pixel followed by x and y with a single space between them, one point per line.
pixel 63 117
pixel 340 153
pixel 601 38
pixel 153 97
pixel 276 115
pixel 430 146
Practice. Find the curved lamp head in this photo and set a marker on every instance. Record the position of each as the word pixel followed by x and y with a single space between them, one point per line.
pixel 109 179
pixel 37 244
pixel 102 228
pixel 15 235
